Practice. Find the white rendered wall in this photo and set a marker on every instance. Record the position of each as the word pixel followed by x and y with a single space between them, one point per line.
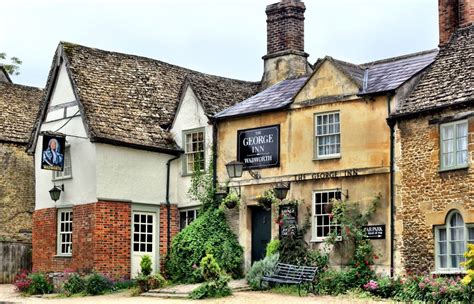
pixel 127 174
pixel 80 189
pixel 190 116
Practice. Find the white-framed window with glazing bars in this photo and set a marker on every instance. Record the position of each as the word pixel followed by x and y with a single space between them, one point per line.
pixel 323 224
pixel 64 232
pixel 454 152
pixel 194 143
pixel 328 135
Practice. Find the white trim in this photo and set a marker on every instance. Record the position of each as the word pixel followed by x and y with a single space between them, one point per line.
pixel 314 237
pixel 317 137
pixel 455 138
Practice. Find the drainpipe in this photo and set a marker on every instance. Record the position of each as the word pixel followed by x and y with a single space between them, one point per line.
pixel 168 205
pixel 214 153
pixel 391 124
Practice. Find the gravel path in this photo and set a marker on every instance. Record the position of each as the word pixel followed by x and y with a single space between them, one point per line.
pixel 7 295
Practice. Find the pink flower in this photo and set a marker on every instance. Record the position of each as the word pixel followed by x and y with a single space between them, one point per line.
pixel 421 285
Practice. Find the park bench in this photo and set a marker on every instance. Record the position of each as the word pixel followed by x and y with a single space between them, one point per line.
pixel 292 274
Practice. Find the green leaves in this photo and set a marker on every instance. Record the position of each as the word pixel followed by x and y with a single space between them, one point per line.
pixel 12 68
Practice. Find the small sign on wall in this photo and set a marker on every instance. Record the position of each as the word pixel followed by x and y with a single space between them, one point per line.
pixel 259 147
pixel 52 155
pixel 288 220
pixel 376 232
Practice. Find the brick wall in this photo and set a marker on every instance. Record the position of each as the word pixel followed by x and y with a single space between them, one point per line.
pixel 164 227
pixel 453 14
pixel 101 239
pixel 17 190
pixel 424 196
pixel 285 26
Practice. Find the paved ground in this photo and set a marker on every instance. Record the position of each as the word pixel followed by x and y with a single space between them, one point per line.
pixel 7 295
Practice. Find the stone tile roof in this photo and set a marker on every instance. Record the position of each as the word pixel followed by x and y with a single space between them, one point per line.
pixel 449 80
pixel 275 97
pixel 389 74
pixel 128 99
pixel 19 106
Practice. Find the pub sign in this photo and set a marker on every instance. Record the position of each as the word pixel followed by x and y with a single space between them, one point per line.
pixel 52 153
pixel 259 147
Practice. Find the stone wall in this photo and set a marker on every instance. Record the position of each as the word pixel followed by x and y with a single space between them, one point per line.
pixel 101 239
pixel 424 196
pixel 17 189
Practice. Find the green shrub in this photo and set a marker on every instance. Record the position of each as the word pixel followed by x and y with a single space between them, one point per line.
pixel 146 265
pixel 272 247
pixel 74 284
pixel 333 282
pixel 97 284
pixel 40 284
pixel 468 279
pixel 209 233
pixel 124 284
pixel 213 289
pixel 210 270
pixel 156 281
pixel 261 268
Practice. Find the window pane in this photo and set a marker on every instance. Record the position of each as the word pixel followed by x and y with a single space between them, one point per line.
pixel 470 234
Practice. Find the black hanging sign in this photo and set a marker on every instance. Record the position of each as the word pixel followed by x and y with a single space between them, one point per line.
pixel 259 147
pixel 375 232
pixel 288 220
pixel 52 153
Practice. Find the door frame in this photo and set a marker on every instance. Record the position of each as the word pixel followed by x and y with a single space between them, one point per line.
pixel 147 208
pixel 252 213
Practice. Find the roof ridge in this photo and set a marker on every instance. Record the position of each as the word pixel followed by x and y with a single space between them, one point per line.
pixel 396 58
pixel 66 44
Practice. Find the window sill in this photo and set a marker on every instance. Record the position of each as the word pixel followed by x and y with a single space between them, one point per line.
pixel 454 168
pixel 61 178
pixel 63 256
pixel 329 157
pixel 322 240
pixel 449 272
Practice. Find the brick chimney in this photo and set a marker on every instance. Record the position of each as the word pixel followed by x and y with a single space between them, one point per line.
pixel 285 42
pixel 454 14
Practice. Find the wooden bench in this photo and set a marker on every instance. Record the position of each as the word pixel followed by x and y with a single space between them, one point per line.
pixel 292 274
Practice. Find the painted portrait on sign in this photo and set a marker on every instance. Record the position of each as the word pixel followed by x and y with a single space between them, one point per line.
pixel 53 153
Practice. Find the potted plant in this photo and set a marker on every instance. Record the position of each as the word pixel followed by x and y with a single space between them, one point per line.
pixel 267 199
pixel 231 200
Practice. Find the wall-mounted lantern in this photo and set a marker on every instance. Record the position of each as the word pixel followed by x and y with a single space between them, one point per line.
pixel 55 193
pixel 234 169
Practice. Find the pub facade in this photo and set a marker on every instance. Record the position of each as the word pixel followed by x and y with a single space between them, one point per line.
pixel 321 130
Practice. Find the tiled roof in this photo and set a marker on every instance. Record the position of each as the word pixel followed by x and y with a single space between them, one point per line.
pixel 273 98
pixel 389 74
pixel 129 99
pixel 19 106
pixel 449 80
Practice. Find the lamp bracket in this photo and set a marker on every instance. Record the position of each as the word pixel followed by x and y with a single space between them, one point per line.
pixel 255 174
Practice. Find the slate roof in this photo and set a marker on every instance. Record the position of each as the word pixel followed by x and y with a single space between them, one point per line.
pixel 19 106
pixel 275 97
pixel 389 74
pixel 132 100
pixel 371 78
pixel 449 80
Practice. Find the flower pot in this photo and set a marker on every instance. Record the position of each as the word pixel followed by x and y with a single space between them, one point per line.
pixel 230 204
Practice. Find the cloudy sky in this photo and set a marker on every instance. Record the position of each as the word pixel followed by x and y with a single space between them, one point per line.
pixel 225 38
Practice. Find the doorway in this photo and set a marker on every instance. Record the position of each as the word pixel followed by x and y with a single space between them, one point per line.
pixel 261 232
pixel 143 239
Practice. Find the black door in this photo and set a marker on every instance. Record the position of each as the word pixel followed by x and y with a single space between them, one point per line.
pixel 261 232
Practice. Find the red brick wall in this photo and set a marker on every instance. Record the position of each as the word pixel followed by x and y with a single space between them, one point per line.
pixel 454 14
pixel 164 227
pixel 101 239
pixel 285 26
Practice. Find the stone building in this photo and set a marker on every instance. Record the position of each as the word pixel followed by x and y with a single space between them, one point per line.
pixel 134 128
pixel 435 153
pixel 18 110
pixel 323 131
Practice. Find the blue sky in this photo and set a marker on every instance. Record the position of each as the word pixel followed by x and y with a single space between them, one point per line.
pixel 226 38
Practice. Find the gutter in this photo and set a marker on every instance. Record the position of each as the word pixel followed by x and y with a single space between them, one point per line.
pixel 168 205
pixel 391 124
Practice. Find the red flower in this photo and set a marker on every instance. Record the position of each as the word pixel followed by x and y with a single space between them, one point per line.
pixel 366 262
pixel 376 257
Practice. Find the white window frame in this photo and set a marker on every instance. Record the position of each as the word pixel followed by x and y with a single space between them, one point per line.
pixel 60 231
pixel 188 154
pixel 187 221
pixel 67 170
pixel 442 152
pixel 318 136
pixel 332 225
pixel 468 239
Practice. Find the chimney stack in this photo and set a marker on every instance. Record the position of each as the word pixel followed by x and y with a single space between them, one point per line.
pixel 454 14
pixel 285 42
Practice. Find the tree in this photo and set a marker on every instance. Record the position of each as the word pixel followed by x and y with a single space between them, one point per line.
pixel 12 68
